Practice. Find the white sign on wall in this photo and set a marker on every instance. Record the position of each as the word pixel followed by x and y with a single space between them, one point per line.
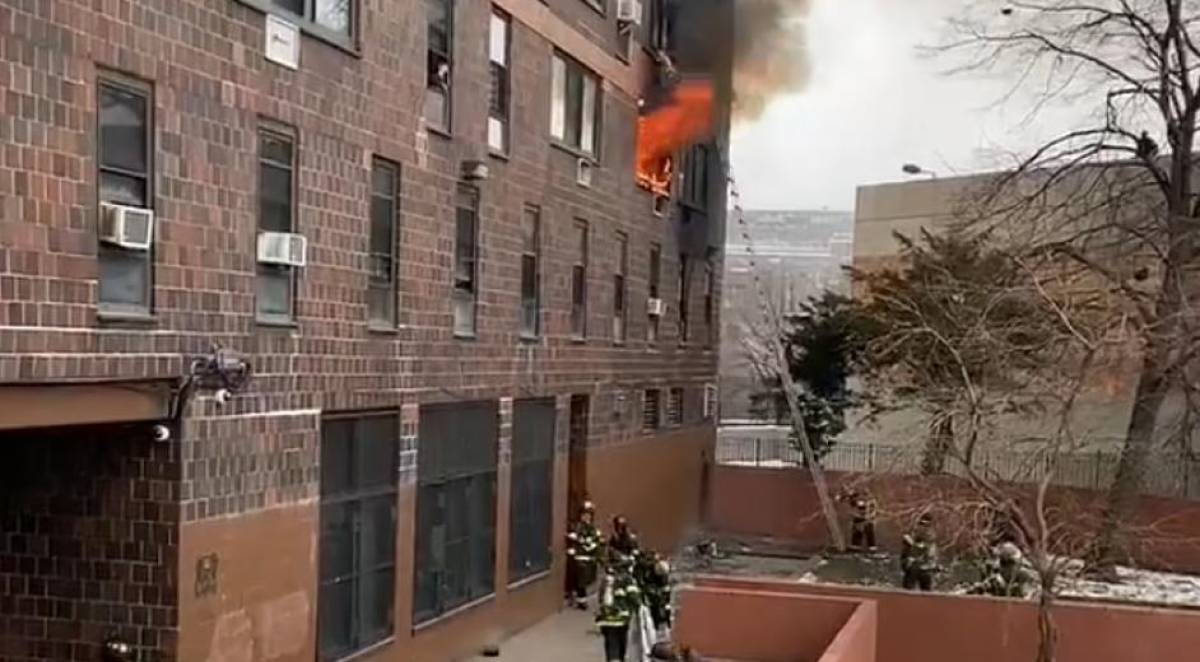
pixel 283 42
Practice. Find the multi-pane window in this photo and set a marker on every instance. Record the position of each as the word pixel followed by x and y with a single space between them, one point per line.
pixel 651 402
pixel 500 33
pixel 358 533
pixel 381 286
pixel 620 287
pixel 579 281
pixel 456 507
pixel 675 407
pixel 531 251
pixel 655 274
pixel 124 150
pixel 694 187
pixel 710 302
pixel 684 295
pixel 466 255
pixel 439 17
pixel 333 16
pixel 574 104
pixel 532 501
pixel 276 213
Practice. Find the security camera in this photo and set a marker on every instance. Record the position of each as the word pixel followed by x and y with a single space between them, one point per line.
pixel 162 433
pixel 223 395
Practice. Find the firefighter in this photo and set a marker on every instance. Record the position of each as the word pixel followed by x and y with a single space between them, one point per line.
pixel 620 600
pixel 622 540
pixel 862 519
pixel 1005 575
pixel 583 551
pixel 653 573
pixel 918 555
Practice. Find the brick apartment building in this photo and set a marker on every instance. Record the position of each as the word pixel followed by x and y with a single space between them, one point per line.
pixel 465 349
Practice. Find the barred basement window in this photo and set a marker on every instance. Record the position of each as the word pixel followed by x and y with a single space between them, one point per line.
pixel 532 501
pixel 358 533
pixel 456 507
pixel 498 99
pixel 651 402
pixel 381 287
pixel 439 36
pixel 675 407
pixel 124 157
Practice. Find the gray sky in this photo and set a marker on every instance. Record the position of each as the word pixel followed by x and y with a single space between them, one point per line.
pixel 874 103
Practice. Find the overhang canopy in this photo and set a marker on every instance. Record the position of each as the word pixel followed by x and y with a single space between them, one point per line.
pixel 93 403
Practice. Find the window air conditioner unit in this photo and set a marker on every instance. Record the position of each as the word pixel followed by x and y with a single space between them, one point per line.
pixel 282 248
pixel 583 172
pixel 656 307
pixel 127 227
pixel 629 11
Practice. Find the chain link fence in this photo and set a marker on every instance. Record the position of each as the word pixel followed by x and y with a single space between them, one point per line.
pixel 1168 474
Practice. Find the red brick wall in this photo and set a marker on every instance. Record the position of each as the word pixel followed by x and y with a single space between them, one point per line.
pixel 923 627
pixel 89 520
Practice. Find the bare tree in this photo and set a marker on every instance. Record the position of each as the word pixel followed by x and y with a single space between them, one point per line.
pixel 1103 198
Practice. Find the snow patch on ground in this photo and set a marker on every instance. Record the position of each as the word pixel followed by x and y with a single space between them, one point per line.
pixel 1138 586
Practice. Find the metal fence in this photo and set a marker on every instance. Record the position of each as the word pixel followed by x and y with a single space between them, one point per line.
pixel 1168 474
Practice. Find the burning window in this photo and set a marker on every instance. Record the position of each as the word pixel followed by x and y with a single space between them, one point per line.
pixel 665 128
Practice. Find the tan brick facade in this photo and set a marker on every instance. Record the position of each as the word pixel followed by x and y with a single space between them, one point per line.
pixel 255 461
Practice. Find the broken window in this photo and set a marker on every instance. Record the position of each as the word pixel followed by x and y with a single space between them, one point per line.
pixel 466 254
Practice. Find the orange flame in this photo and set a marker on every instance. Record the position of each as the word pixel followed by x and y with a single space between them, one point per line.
pixel 666 129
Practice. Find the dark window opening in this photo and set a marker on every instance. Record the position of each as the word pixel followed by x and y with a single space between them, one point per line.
pixel 684 297
pixel 381 288
pixel 466 256
pixel 579 282
pixel 619 287
pixel 531 231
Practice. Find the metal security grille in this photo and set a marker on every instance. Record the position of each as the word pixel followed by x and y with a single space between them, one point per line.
pixel 358 533
pixel 651 403
pixel 675 407
pixel 456 507
pixel 532 500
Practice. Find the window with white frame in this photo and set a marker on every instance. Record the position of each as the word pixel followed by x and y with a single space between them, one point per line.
pixel 574 104
pixel 466 258
pixel 439 57
pixel 498 97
